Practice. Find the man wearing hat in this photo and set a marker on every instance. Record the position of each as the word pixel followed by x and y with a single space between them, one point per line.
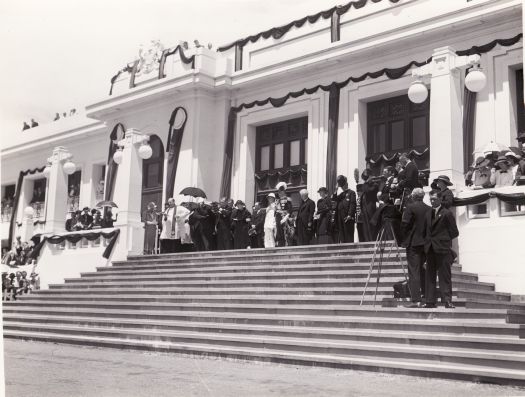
pixel 223 225
pixel 283 205
pixel 324 217
pixel 441 230
pixel 479 174
pixel 502 176
pixel 441 184
pixel 305 219
pixel 270 222
pixel 241 221
pixel 86 218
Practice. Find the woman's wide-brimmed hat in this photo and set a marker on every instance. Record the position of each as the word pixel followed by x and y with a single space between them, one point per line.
pixel 281 185
pixel 502 159
pixel 481 161
pixel 271 195
pixel 443 178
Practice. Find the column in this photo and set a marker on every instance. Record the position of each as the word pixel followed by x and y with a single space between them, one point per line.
pixel 446 128
pixel 128 196
pixel 56 196
pixel 27 229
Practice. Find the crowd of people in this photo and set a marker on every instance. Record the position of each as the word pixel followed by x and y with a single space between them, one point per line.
pixel 19 254
pixel 89 219
pixel 503 169
pixel 16 284
pixel 228 224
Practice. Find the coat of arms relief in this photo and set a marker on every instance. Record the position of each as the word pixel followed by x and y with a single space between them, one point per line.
pixel 149 57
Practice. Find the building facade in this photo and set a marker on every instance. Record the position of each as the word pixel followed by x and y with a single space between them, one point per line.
pixel 234 142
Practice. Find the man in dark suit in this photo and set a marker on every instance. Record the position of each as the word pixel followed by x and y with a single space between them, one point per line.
pixel 441 230
pixel 410 174
pixel 305 219
pixel 258 217
pixel 414 229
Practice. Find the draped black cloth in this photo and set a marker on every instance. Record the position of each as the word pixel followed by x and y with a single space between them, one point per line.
pixel 333 127
pixel 16 201
pixel 111 173
pixel 75 238
pixel 173 148
pixel 280 31
pixel 183 58
pixel 469 116
pixel 510 198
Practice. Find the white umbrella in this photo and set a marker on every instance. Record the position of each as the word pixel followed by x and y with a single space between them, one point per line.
pixel 492 147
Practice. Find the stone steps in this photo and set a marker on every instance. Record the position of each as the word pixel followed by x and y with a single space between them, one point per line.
pixel 296 305
pixel 442 364
pixel 449 339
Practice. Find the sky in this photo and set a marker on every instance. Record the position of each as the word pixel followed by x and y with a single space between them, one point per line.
pixel 60 54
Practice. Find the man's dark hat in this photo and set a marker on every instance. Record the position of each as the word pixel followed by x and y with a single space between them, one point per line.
pixel 239 202
pixel 322 189
pixel 85 209
pixel 521 137
pixel 443 178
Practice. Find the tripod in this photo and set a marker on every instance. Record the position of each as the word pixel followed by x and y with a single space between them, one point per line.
pixel 381 246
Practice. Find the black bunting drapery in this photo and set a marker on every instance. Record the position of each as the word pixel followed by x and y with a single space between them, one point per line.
pixel 183 58
pixel 333 127
pixel 391 73
pixel 395 157
pixel 16 201
pixel 510 198
pixel 173 148
pixel 280 31
pixel 469 116
pixel 132 67
pixel 116 135
pixel 75 238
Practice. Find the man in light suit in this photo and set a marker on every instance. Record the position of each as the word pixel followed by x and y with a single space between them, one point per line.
pixel 305 219
pixel 414 231
pixel 441 230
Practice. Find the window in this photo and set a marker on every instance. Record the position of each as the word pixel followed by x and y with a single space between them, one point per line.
pixel 507 209
pixel 396 125
pixel 8 195
pixel 73 183
pixel 39 191
pixel 281 155
pixel 153 174
pixel 478 210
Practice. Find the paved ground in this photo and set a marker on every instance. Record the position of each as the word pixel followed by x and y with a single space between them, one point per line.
pixel 43 369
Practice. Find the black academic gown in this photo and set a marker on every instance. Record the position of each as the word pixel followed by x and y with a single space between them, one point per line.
pixel 224 230
pixel 324 223
pixel 345 208
pixel 240 226
pixel 304 221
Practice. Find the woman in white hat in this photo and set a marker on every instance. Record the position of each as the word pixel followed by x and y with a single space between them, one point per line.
pixel 270 225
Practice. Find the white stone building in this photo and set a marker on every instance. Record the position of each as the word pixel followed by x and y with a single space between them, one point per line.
pixel 290 142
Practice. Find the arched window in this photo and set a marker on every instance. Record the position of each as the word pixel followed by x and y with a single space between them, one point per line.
pixel 152 174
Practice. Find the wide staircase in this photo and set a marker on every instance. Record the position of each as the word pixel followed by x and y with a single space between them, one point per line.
pixel 298 305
